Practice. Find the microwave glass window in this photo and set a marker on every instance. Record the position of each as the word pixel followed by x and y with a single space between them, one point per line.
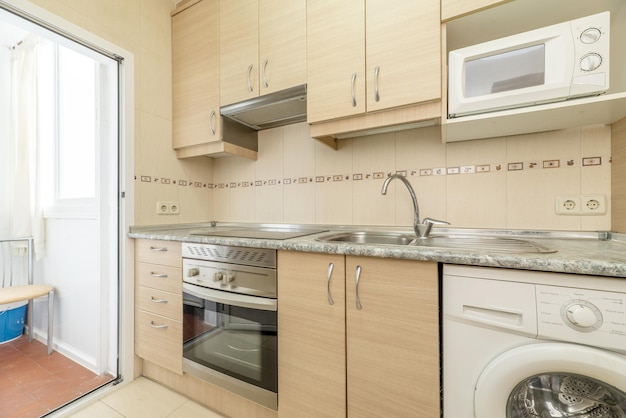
pixel 507 71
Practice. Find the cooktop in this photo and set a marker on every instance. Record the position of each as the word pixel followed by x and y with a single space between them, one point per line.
pixel 259 233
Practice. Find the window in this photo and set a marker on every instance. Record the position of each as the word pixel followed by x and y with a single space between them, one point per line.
pixel 80 88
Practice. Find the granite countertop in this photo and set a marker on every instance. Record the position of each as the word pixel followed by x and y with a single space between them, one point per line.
pixel 579 253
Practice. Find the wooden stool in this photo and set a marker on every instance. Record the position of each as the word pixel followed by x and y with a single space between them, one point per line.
pixel 30 292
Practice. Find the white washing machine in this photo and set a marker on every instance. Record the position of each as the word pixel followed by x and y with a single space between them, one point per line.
pixel 522 344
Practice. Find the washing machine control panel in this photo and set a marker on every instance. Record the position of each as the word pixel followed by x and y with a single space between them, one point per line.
pixel 582 316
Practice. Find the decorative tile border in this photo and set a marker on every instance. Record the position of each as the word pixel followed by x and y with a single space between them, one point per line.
pixel 521 166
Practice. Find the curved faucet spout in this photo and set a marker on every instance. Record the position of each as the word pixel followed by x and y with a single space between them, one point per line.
pixel 416 210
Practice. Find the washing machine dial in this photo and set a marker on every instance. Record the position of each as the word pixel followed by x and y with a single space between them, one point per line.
pixel 581 315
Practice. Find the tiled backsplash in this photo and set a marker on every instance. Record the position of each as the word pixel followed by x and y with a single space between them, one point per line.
pixel 495 183
pixel 507 182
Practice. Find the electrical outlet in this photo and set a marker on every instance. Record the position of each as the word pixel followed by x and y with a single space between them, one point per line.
pixel 167 208
pixel 568 205
pixel 593 204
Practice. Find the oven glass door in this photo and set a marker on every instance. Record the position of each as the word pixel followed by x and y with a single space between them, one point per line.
pixel 240 342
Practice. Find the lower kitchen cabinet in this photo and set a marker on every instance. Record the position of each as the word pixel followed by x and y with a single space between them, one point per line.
pixel 159 303
pixel 338 360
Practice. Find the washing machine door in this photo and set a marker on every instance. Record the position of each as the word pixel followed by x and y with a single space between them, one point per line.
pixel 552 380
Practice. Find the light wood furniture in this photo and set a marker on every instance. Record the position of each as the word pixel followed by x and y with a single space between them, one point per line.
pixel 337 360
pixel 262 47
pixel 30 291
pixel 158 303
pixel 618 171
pixel 451 9
pixel 370 56
pixel 197 127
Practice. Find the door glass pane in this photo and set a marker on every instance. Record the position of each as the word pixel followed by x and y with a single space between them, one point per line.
pixel 507 71
pixel 77 125
pixel 565 395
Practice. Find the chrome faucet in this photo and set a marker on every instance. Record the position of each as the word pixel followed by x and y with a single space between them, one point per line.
pixel 422 230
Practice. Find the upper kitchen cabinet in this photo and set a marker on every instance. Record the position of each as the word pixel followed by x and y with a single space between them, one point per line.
pixel 197 128
pixel 451 9
pixel 372 64
pixel 509 18
pixel 263 47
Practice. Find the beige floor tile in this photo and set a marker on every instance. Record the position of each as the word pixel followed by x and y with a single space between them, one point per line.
pixel 192 409
pixel 144 398
pixel 97 410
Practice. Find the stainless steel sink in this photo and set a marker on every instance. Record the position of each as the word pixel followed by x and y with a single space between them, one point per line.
pixel 489 244
pixel 369 237
pixel 484 243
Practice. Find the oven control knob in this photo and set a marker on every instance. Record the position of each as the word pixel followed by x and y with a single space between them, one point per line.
pixel 193 272
pixel 228 277
pixel 218 276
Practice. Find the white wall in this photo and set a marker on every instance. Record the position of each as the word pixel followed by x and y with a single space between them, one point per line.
pixel 5 74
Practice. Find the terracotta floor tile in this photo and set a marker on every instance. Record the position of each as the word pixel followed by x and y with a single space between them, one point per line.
pixel 33 383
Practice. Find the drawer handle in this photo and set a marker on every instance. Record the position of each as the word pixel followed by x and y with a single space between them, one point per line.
pixel 152 299
pixel 159 249
pixel 160 275
pixel 162 326
pixel 330 273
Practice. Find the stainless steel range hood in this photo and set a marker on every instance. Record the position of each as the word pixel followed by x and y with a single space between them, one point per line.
pixel 270 110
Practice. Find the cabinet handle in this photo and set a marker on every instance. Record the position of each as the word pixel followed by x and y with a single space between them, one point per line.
pixel 159 275
pixel 249 79
pixel 160 249
pixel 152 299
pixel 211 124
pixel 358 276
pixel 376 95
pixel 353 96
pixel 263 72
pixel 330 273
pixel 162 326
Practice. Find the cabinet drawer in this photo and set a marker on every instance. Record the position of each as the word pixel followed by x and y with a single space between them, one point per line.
pixel 159 302
pixel 159 277
pixel 168 253
pixel 159 340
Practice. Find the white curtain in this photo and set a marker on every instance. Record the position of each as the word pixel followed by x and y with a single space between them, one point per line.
pixel 26 210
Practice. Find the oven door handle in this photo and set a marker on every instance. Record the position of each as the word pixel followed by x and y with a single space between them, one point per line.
pixel 234 299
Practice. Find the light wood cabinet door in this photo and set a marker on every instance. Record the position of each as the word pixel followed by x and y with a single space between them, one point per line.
pixel 311 337
pixel 195 75
pixel 402 52
pixel 400 41
pixel 393 340
pixel 456 8
pixel 159 339
pixel 263 47
pixel 282 44
pixel 239 50
pixel 335 59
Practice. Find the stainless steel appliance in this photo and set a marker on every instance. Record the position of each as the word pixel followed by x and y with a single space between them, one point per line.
pixel 230 319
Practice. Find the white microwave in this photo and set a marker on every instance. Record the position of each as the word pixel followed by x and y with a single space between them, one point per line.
pixel 558 62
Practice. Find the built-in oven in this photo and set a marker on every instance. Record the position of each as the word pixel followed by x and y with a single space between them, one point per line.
pixel 230 319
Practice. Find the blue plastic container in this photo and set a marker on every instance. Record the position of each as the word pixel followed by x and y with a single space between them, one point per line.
pixel 12 321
